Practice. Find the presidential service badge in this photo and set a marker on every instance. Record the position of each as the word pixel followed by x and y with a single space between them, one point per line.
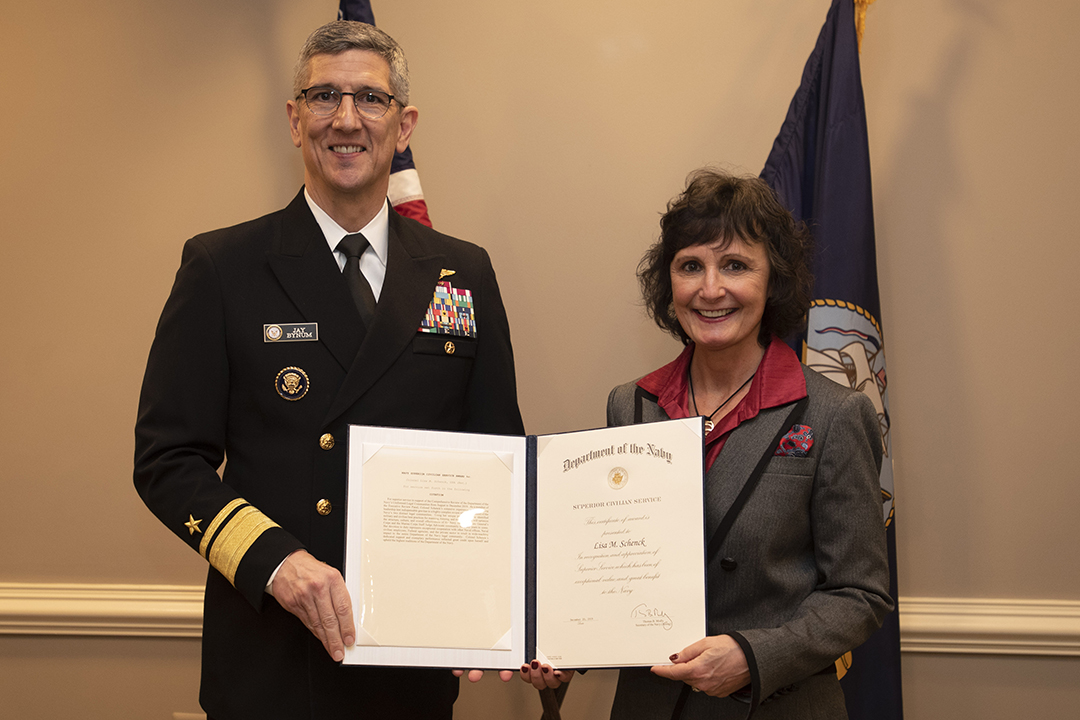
pixel 618 478
pixel 292 383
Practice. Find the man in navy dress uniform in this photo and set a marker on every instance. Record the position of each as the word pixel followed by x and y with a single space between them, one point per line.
pixel 278 334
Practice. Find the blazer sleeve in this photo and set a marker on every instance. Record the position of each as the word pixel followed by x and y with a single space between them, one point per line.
pixel 492 405
pixel 851 597
pixel 180 435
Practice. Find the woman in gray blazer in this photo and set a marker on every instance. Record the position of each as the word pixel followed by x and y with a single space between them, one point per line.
pixel 797 573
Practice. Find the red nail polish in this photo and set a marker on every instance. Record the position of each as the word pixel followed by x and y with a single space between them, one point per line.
pixel 524 668
pixel 674 657
pixel 544 670
pixel 535 664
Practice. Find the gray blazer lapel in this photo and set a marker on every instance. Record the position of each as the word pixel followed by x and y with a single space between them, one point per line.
pixel 736 462
pixel 307 271
pixel 407 291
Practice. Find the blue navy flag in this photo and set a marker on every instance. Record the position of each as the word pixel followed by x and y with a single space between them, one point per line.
pixel 404 192
pixel 359 10
pixel 820 168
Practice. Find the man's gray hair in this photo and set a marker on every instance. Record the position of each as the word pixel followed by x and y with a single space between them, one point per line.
pixel 338 36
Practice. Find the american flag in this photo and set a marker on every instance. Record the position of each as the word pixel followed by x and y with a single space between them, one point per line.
pixel 405 192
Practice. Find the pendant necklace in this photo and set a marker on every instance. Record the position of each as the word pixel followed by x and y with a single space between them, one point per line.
pixel 709 425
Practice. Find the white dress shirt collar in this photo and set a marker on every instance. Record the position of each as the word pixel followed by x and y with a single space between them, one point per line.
pixel 377 232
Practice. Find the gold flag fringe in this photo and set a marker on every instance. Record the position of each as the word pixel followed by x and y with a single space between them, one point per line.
pixel 860 19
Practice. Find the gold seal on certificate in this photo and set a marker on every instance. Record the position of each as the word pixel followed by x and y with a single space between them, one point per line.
pixel 617 478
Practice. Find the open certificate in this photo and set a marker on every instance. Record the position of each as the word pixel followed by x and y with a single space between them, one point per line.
pixel 581 549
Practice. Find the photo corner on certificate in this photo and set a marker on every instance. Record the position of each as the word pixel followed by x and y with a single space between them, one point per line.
pixel 445 533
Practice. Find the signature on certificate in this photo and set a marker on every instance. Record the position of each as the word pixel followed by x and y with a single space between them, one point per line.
pixel 648 616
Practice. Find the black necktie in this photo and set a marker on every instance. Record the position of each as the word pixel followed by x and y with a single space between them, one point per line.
pixel 353 247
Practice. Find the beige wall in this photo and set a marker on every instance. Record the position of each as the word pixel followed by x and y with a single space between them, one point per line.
pixel 552 133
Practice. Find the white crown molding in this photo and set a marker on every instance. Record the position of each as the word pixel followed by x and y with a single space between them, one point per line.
pixel 927 625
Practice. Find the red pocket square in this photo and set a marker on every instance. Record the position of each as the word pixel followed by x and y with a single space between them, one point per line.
pixel 797 442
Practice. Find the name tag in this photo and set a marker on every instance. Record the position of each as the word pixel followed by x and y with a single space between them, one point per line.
pixel 283 332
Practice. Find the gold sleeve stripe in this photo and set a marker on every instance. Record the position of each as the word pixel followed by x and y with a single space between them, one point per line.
pixel 235 538
pixel 221 517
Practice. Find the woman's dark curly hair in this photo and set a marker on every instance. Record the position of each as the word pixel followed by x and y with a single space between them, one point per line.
pixel 719 206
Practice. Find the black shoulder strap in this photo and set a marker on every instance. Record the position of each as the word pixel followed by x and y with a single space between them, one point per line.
pixel 736 507
pixel 640 394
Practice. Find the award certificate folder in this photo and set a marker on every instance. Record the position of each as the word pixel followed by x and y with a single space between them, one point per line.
pixel 582 549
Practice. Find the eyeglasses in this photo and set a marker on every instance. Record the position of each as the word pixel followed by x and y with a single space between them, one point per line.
pixel 323 100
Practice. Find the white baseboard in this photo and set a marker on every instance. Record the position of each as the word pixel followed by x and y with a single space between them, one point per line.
pixel 927 625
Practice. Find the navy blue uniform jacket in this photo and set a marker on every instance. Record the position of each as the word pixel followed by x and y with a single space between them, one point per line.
pixel 210 394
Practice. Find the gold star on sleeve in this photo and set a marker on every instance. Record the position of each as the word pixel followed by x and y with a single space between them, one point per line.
pixel 193 525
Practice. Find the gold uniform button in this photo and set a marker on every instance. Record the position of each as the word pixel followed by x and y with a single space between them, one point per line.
pixel 449 348
pixel 323 506
pixel 326 442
